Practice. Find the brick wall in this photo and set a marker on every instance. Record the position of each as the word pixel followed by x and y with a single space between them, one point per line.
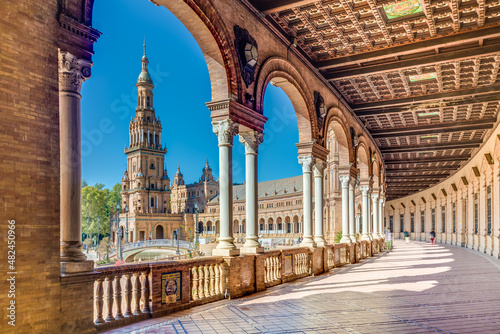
pixel 29 162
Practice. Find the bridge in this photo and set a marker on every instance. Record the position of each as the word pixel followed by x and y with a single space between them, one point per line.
pixel 131 249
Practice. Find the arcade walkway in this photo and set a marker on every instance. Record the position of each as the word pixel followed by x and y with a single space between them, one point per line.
pixel 415 288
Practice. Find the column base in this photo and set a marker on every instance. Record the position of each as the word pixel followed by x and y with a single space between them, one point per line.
pixel 251 242
pixel 225 252
pixel 71 251
pixel 77 267
pixel 252 250
pixel 345 239
pixel 365 237
pixel 319 240
pixel 353 238
pixel 308 241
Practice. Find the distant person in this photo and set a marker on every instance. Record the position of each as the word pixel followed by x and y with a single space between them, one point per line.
pixel 407 236
pixel 389 239
pixel 433 237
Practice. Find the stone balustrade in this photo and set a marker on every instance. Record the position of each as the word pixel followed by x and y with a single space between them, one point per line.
pixel 130 293
pixel 208 280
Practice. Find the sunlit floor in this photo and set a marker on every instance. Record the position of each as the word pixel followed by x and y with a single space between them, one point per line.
pixel 415 288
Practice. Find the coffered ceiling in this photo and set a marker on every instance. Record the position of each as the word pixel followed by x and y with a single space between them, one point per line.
pixel 421 74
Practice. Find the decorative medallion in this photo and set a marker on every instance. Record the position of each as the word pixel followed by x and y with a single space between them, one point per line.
pixel 403 8
pixel 248 54
pixel 319 105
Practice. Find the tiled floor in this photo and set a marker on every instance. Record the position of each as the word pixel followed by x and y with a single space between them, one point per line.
pixel 415 288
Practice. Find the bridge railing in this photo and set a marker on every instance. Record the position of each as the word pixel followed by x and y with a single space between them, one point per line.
pixel 151 243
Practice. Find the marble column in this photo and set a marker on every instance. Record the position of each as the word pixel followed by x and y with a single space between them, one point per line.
pixel 376 231
pixel 251 140
pixel 352 227
pixel 344 181
pixel 364 196
pixel 307 163
pixel 319 237
pixel 381 217
pixel 369 212
pixel 72 72
pixel 225 130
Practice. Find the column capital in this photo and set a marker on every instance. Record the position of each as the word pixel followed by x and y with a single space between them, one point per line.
pixel 319 168
pixel 72 72
pixel 251 139
pixel 307 163
pixel 344 180
pixel 365 190
pixel 225 131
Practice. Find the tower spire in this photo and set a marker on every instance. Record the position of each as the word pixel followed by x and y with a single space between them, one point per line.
pixel 144 46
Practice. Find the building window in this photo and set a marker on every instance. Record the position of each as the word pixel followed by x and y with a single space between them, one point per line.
pixel 422 221
pixel 454 217
pixel 443 219
pixel 433 219
pixel 476 213
pixel 391 223
pixel 488 208
pixel 412 222
pixel 401 223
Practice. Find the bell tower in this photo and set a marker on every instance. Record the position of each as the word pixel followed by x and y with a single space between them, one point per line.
pixel 145 185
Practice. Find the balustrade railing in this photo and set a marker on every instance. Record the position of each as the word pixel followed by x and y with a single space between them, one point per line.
pixel 272 269
pixel 208 280
pixel 301 264
pixel 156 242
pixel 330 258
pixel 121 292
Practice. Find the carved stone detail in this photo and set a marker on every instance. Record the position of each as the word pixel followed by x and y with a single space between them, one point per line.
pixel 251 140
pixel 225 130
pixel 307 163
pixel 248 55
pixel 319 105
pixel 72 72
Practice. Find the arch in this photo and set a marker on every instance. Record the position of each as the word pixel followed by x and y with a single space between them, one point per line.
pixel 200 227
pixel 270 224
pixel 262 223
pixel 159 232
pixel 336 122
pixel 376 175
pixel 283 74
pixel 363 161
pixel 288 224
pixel 236 225
pixel 217 227
pixel 209 226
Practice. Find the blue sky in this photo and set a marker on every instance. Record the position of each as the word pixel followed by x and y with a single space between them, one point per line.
pixel 182 86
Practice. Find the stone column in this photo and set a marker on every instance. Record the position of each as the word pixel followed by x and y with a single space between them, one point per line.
pixel 369 212
pixel 352 227
pixel 319 238
pixel 364 196
pixel 72 72
pixel 251 140
pixel 381 217
pixel 376 231
pixel 307 163
pixel 226 130
pixel 344 180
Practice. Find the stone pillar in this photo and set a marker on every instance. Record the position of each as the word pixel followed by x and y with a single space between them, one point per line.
pixel 381 217
pixel 72 72
pixel 369 213
pixel 376 231
pixel 226 130
pixel 251 140
pixel 307 162
pixel 344 180
pixel 319 238
pixel 364 196
pixel 352 228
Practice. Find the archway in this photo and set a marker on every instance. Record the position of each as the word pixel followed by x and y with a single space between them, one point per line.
pixel 159 232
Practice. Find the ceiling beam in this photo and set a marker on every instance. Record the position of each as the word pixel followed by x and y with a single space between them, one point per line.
pixel 412 63
pixel 432 44
pixel 273 6
pixel 411 177
pixel 427 98
pixel 390 171
pixel 425 129
pixel 424 107
pixel 461 157
pixel 434 147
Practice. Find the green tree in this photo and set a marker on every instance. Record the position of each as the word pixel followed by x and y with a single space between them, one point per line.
pixel 95 209
pixel 115 197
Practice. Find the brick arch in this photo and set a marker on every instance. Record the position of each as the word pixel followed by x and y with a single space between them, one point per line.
pixel 376 175
pixel 336 122
pixel 209 31
pixel 364 162
pixel 284 75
